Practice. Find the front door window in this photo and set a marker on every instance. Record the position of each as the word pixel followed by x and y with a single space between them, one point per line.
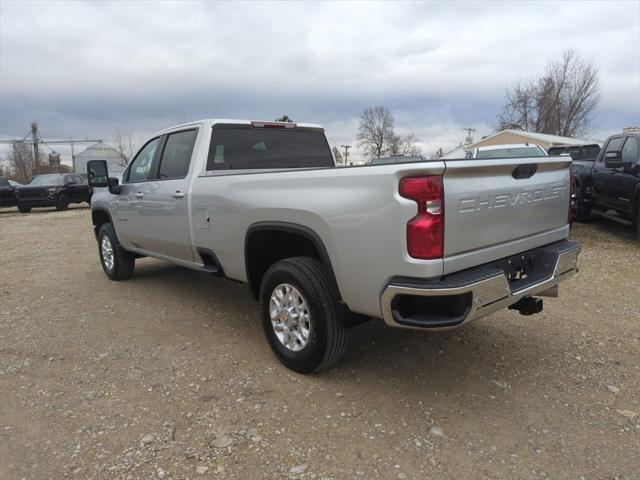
pixel 141 166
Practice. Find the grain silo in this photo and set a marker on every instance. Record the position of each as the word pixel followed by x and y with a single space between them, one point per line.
pixel 100 151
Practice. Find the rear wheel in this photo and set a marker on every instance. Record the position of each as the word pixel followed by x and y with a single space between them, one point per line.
pixel 117 263
pixel 583 210
pixel 23 209
pixel 637 220
pixel 301 315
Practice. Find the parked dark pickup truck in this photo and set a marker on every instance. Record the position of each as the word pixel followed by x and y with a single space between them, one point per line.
pixel 7 193
pixel 53 190
pixel 610 186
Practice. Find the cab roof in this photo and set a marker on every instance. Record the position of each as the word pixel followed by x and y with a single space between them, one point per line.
pixel 210 122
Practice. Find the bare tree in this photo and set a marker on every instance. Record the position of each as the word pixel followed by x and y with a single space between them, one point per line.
pixel 375 132
pixel 126 146
pixel 560 102
pixel 519 113
pixel 439 153
pixel 21 160
pixel 405 144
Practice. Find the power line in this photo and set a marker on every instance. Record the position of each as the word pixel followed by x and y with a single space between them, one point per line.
pixel 36 140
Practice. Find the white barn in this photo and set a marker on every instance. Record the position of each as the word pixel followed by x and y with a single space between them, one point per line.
pixel 99 151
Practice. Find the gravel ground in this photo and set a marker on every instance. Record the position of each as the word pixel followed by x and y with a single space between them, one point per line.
pixel 167 375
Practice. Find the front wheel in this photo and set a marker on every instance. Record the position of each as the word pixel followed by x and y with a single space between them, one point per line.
pixel 637 221
pixel 300 315
pixel 117 263
pixel 23 209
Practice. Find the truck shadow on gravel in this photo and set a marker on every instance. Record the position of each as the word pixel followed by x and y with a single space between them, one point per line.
pixel 454 359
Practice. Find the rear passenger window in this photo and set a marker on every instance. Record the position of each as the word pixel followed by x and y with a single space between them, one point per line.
pixel 177 154
pixel 245 147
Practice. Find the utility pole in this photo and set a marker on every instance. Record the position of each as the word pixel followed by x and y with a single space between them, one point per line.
pixel 73 158
pixel 346 153
pixel 36 155
pixel 469 139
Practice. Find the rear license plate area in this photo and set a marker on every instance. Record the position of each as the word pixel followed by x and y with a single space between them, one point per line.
pixel 526 268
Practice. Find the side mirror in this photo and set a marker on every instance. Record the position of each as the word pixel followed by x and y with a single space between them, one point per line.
pixel 114 185
pixel 98 176
pixel 97 173
pixel 613 159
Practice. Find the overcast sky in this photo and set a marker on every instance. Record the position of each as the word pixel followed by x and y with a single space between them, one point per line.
pixel 85 69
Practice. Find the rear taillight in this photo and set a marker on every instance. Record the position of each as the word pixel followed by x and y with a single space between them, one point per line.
pixel 572 199
pixel 425 231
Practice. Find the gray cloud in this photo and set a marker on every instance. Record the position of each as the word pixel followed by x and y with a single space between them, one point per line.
pixel 88 68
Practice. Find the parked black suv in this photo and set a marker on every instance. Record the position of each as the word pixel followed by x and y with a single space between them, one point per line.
pixel 610 186
pixel 53 190
pixel 7 193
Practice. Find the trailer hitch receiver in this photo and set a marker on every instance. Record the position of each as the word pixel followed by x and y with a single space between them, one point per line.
pixel 527 306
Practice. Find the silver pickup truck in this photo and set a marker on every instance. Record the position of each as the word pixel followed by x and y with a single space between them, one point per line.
pixel 427 245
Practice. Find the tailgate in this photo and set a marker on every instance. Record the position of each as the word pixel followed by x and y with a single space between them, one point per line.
pixel 498 207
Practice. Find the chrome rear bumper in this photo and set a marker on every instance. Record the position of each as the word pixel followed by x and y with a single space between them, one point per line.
pixel 479 291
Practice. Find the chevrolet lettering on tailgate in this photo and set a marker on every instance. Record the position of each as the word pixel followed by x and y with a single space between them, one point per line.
pixel 512 199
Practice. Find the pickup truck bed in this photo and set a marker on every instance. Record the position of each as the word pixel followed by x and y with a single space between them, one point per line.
pixel 426 245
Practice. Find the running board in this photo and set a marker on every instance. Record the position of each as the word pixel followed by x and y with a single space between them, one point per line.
pixel 615 218
pixel 210 269
pixel 210 261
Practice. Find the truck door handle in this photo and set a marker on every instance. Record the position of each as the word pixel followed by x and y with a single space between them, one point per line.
pixel 178 194
pixel 139 195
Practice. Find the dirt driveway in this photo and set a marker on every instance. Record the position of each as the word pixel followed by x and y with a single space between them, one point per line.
pixel 167 375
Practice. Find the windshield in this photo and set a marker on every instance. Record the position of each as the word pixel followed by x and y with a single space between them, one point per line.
pixel 47 180
pixel 577 153
pixel 516 152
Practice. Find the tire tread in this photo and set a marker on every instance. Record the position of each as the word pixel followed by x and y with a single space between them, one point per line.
pixel 337 334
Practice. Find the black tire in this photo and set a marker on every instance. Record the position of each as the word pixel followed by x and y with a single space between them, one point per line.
pixel 637 221
pixel 123 262
pixel 63 203
pixel 582 210
pixel 328 334
pixel 23 209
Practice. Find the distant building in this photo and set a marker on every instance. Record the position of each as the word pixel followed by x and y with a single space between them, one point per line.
pixel 508 137
pixel 99 151
pixel 54 161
